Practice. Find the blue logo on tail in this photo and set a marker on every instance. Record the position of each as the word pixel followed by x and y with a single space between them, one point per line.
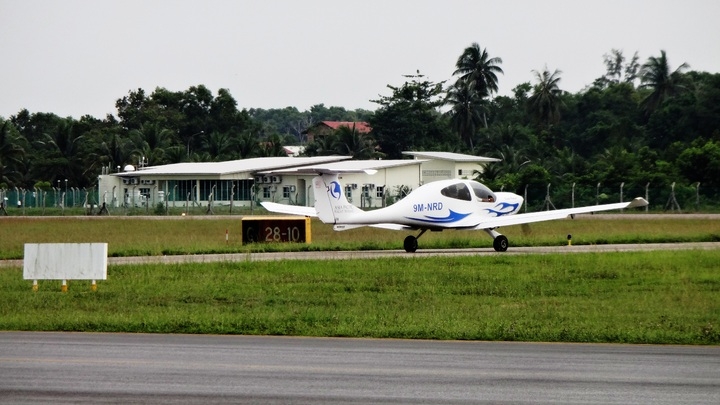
pixel 335 190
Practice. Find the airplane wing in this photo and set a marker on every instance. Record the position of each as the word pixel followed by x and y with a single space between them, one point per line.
pixel 289 209
pixel 518 219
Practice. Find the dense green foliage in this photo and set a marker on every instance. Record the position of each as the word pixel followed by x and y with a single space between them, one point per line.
pixel 638 124
pixel 650 297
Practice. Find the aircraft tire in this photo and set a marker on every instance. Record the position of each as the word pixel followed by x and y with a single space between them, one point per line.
pixel 410 244
pixel 500 243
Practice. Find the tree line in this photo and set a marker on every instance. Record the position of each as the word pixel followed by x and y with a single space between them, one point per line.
pixel 638 124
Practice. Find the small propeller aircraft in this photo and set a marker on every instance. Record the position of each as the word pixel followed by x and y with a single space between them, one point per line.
pixel 444 204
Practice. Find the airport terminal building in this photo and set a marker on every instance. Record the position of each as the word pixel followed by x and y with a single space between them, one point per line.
pixel 285 180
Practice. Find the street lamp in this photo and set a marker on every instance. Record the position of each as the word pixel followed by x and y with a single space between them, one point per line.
pixel 65 195
pixel 188 142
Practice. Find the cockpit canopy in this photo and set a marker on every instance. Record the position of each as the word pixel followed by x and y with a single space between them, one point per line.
pixel 461 191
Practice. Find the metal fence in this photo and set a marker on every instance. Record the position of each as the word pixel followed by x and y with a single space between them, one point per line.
pixel 22 201
pixel 673 197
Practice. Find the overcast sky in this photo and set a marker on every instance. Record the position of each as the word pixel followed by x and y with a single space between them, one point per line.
pixel 77 57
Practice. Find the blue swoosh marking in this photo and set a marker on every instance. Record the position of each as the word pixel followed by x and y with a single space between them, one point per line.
pixel 452 217
pixel 502 209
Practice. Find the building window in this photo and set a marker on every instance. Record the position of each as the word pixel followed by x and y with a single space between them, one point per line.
pixel 286 192
pixel 379 191
pixel 348 192
pixel 266 192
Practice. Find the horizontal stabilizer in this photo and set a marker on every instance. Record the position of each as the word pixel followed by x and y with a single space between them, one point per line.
pixel 289 209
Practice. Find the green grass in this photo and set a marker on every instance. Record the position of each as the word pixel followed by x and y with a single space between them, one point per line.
pixel 131 236
pixel 644 297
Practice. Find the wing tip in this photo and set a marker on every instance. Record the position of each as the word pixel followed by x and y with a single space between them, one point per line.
pixel 638 202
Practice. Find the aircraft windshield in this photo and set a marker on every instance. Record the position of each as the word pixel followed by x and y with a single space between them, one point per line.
pixel 458 190
pixel 482 192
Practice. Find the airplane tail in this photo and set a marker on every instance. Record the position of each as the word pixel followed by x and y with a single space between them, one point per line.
pixel 330 202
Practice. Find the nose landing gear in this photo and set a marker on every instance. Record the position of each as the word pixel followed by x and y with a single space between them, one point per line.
pixel 500 241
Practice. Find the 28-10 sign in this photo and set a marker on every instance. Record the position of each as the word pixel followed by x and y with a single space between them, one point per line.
pixel 275 229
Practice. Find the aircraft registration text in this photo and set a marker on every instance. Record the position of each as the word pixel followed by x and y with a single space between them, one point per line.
pixel 433 206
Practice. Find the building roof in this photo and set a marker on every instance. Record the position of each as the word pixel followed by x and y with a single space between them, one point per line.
pixel 360 126
pixel 253 165
pixel 455 157
pixel 348 166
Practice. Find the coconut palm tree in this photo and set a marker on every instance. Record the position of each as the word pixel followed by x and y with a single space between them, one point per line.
pixel 479 70
pixel 348 141
pixel 655 74
pixel 64 156
pixel 11 155
pixel 247 146
pixel 150 142
pixel 466 112
pixel 545 101
pixel 477 79
pixel 219 145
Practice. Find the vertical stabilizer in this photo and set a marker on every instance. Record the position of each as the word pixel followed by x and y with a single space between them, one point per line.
pixel 330 202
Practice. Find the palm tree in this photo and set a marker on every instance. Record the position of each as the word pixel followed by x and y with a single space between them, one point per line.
pixel 466 112
pixel 11 155
pixel 150 142
pixel 247 146
pixel 117 152
pixel 64 157
pixel 477 80
pixel 655 74
pixel 479 70
pixel 545 101
pixel 219 145
pixel 348 141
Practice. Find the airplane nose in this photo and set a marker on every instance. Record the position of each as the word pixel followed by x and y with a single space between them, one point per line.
pixel 517 200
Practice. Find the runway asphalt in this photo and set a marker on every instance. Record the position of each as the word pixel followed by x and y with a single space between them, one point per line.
pixel 91 368
pixel 367 254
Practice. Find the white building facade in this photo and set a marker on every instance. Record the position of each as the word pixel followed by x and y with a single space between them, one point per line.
pixel 287 180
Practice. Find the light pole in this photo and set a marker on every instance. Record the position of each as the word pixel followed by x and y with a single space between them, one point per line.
pixel 65 195
pixel 188 142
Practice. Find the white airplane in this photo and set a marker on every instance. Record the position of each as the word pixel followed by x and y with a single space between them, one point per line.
pixel 445 204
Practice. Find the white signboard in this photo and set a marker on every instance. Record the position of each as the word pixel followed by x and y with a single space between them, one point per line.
pixel 65 261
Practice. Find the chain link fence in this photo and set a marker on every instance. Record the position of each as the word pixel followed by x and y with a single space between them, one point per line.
pixel 77 201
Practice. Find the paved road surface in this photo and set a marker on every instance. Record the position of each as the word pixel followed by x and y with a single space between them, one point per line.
pixel 367 254
pixel 180 369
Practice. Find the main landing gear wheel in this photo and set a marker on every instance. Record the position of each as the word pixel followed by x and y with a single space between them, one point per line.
pixel 410 244
pixel 500 243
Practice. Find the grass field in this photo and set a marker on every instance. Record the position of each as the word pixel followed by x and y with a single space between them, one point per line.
pixel 133 236
pixel 643 297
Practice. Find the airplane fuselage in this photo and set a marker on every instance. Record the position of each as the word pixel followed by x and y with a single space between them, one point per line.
pixel 437 205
